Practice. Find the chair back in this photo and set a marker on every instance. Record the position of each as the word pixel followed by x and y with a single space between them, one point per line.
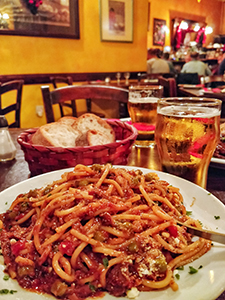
pixel 15 85
pixel 188 78
pixel 77 92
pixel 169 85
pixel 69 81
pixel 72 104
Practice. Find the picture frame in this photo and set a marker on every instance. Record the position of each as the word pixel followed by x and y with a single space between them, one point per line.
pixel 116 20
pixel 159 32
pixel 50 19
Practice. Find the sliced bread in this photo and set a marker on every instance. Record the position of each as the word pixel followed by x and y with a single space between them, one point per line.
pixel 88 122
pixel 55 134
pixel 68 120
pixel 95 137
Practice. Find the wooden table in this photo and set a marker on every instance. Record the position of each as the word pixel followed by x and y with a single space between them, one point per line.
pixel 17 170
pixel 188 92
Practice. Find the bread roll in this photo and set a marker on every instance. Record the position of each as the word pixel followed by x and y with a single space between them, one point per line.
pixel 95 137
pixel 55 134
pixel 67 120
pixel 88 122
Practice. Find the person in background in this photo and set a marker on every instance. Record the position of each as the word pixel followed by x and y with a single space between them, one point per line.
pixel 221 62
pixel 166 56
pixel 155 64
pixel 196 66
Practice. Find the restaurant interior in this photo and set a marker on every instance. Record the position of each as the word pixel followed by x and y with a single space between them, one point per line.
pixel 84 229
pixel 91 57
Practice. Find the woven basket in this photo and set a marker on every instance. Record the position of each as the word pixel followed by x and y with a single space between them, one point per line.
pixel 43 159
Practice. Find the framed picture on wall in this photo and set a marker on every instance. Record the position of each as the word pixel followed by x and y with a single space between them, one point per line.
pixel 116 20
pixel 48 19
pixel 159 32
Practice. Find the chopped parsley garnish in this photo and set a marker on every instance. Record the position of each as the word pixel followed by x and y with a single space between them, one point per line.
pixel 188 212
pixel 6 277
pixel 200 222
pixel 192 270
pixel 49 195
pixel 6 203
pixel 209 193
pixel 105 262
pixel 217 217
pixel 181 268
pixel 177 276
pixel 6 291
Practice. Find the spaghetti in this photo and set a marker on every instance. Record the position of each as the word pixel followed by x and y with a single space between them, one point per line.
pixel 98 229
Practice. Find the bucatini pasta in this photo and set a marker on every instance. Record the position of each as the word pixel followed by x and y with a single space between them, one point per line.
pixel 98 229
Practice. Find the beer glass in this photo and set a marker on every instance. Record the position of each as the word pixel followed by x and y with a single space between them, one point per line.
pixel 186 135
pixel 142 107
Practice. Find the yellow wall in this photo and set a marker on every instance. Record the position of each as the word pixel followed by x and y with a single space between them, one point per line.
pixel 210 9
pixel 25 55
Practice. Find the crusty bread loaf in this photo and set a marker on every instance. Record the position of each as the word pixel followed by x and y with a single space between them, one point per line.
pixel 68 120
pixel 55 134
pixel 88 122
pixel 222 129
pixel 87 130
pixel 95 137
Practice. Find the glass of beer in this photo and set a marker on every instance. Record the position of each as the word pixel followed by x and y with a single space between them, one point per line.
pixel 186 135
pixel 142 107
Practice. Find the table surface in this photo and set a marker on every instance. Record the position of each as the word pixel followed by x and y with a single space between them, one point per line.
pixel 17 170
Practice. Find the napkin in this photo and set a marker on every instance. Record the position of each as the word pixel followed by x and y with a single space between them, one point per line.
pixel 210 90
pixel 142 126
pixel 138 126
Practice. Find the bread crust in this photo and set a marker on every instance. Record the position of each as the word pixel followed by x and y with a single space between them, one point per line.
pixel 55 135
pixel 69 120
pixel 87 130
pixel 88 122
pixel 95 137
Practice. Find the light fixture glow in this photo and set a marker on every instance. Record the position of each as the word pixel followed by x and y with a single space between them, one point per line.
pixel 208 30
pixel 184 25
pixel 196 28
pixel 166 29
pixel 5 16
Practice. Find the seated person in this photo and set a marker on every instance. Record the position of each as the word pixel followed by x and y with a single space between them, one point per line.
pixel 166 56
pixel 196 66
pixel 221 61
pixel 155 64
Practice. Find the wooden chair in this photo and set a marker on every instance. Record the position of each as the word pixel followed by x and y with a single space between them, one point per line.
pixel 77 92
pixel 169 85
pixel 188 78
pixel 69 81
pixel 17 86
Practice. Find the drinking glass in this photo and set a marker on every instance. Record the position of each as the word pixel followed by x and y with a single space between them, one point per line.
pixel 142 107
pixel 187 132
pixel 127 76
pixel 118 76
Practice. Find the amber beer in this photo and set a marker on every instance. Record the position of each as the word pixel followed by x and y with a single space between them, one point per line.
pixel 186 136
pixel 142 107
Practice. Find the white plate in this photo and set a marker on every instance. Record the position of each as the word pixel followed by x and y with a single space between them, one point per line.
pixel 217 162
pixel 208 283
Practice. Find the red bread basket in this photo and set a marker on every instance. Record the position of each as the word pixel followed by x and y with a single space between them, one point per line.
pixel 43 159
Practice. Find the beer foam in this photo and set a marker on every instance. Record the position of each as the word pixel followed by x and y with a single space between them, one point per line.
pixel 144 99
pixel 189 112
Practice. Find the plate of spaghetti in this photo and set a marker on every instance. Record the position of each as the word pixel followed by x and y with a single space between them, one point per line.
pixel 110 232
